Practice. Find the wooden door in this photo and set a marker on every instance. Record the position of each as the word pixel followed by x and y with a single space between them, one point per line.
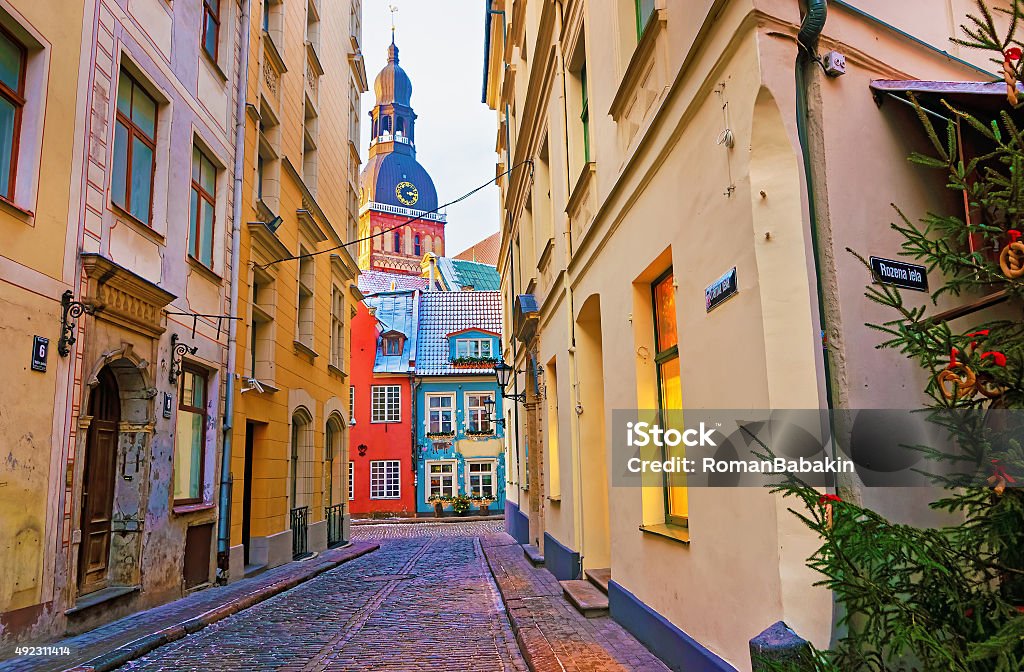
pixel 98 484
pixel 250 429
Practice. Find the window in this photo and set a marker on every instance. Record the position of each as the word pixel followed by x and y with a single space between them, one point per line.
pixel 12 103
pixel 306 304
pixel 440 414
pixel 211 27
pixel 260 172
pixel 352 404
pixel 644 9
pixel 416 245
pixel 190 437
pixel 332 448
pixel 385 476
pixel 202 209
pixel 551 394
pixel 261 341
pixel 478 418
pixel 338 329
pixel 351 480
pixel 301 467
pixel 480 478
pixel 474 347
pixel 392 345
pixel 397 243
pixel 134 150
pixel 310 141
pixel 440 479
pixel 585 112
pixel 666 359
pixel 385 403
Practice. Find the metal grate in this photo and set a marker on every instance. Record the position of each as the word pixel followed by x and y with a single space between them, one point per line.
pixel 300 531
pixel 334 515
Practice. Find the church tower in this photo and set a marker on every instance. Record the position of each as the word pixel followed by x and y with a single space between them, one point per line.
pixel 394 187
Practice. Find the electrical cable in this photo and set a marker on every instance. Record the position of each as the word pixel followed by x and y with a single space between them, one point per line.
pixel 398 226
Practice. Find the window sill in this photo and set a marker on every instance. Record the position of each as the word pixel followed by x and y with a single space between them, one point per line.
pixel 27 216
pixel 136 223
pixel 331 368
pixel 214 66
pixel 305 349
pixel 205 270
pixel 680 535
pixel 183 509
pixel 555 499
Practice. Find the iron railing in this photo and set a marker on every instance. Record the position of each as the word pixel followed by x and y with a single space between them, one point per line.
pixel 334 517
pixel 300 531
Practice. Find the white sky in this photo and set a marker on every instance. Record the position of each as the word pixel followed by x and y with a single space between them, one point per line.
pixel 441 45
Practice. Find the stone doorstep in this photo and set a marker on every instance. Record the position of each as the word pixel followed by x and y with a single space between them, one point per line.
pixel 534 555
pixel 600 578
pixel 587 599
pixel 137 648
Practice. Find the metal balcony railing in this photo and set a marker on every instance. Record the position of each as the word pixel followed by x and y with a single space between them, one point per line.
pixel 334 516
pixel 300 531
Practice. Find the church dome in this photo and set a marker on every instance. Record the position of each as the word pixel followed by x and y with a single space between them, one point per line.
pixel 392 85
pixel 383 175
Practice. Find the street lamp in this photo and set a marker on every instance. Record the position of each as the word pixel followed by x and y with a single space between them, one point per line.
pixel 503 374
pixel 489 407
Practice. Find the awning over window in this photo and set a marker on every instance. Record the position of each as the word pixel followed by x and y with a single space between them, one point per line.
pixel 989 96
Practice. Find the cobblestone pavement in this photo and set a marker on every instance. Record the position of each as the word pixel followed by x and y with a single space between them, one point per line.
pixel 425 601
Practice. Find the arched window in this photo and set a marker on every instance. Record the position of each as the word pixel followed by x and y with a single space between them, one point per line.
pixel 399 126
pixel 427 244
pixel 416 245
pixel 332 455
pixel 300 489
pixel 398 241
pixel 376 238
pixel 385 125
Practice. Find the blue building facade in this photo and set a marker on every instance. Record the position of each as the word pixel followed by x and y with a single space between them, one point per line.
pixel 459 445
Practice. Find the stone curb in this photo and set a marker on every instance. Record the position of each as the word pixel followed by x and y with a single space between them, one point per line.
pixel 143 645
pixel 536 650
pixel 356 522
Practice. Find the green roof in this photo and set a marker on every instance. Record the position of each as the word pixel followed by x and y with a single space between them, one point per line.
pixel 481 277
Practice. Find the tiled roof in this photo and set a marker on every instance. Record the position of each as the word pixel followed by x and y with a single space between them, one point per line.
pixel 375 282
pixel 481 277
pixel 442 313
pixel 486 251
pixel 395 311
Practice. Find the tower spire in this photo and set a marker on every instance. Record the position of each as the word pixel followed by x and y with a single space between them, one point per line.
pixel 393 9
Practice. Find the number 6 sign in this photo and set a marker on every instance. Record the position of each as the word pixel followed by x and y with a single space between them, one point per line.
pixel 40 349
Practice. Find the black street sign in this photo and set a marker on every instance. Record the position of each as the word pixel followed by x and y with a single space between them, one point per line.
pixel 40 349
pixel 720 290
pixel 900 274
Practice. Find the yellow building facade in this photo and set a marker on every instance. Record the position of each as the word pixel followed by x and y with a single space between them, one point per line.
pixel 41 42
pixel 297 291
pixel 654 146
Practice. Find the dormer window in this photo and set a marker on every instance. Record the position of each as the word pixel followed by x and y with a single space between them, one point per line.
pixel 474 347
pixel 392 345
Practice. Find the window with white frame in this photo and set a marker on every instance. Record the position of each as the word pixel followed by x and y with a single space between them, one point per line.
pixel 351 480
pixel 385 403
pixel 440 414
pixel 385 479
pixel 352 403
pixel 480 478
pixel 440 479
pixel 338 329
pixel 474 347
pixel 478 418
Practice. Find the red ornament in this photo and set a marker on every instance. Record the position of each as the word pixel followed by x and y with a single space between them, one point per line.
pixel 1013 54
pixel 998 358
pixel 824 499
pixel 1014 235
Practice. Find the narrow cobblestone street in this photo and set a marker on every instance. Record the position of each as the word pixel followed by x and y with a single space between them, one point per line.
pixel 424 601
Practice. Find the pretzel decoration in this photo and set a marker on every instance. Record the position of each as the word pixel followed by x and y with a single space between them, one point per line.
pixel 1000 478
pixel 1011 259
pixel 956 381
pixel 1010 73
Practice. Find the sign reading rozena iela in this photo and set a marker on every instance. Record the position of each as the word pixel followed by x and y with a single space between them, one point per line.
pixel 900 274
pixel 720 290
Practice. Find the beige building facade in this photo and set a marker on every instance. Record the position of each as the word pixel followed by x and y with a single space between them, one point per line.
pixel 670 141
pixel 297 286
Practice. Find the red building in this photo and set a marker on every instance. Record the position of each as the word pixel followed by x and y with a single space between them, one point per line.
pixel 382 466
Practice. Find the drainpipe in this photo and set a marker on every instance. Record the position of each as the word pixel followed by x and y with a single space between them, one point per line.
pixel 574 423
pixel 223 509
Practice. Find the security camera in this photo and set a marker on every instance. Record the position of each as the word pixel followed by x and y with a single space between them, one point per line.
pixel 253 385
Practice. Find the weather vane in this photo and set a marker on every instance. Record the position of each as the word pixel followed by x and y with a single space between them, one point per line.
pixel 392 8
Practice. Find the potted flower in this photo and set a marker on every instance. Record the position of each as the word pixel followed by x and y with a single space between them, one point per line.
pixel 440 436
pixel 484 504
pixel 461 504
pixel 438 502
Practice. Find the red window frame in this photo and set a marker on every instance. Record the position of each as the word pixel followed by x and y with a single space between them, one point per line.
pixel 211 11
pixel 17 99
pixel 135 132
pixel 194 246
